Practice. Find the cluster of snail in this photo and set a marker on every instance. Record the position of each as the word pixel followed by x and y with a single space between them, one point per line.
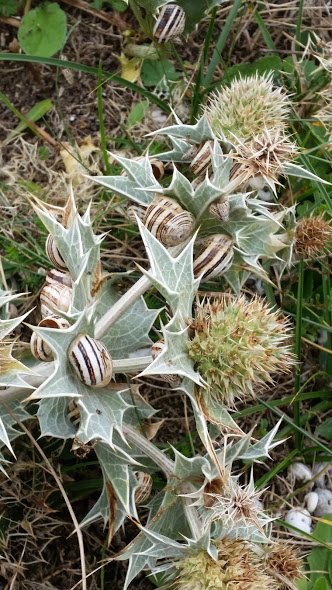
pixel 169 24
pixel 88 357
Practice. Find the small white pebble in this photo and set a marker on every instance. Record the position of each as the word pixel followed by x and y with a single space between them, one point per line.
pixel 311 501
pixel 300 471
pixel 322 338
pixel 265 195
pixel 300 518
pixel 72 118
pixel 158 116
pixel 325 479
pixel 324 505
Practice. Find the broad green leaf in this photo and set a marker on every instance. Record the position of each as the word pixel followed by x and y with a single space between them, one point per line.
pixel 321 584
pixel 43 30
pixel 330 569
pixel 319 557
pixel 37 111
pixel 270 63
pixel 137 113
pixel 153 72
pixel 325 429
pixel 8 7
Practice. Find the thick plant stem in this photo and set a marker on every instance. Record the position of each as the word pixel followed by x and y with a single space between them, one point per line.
pixel 133 365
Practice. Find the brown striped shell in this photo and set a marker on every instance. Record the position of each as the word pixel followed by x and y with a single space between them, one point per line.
pixel 221 209
pixel 40 350
pixel 202 159
pixel 55 276
pixel 133 209
pixel 54 297
pixel 90 360
pixel 143 491
pixel 168 222
pixel 170 23
pixel 53 253
pixel 215 258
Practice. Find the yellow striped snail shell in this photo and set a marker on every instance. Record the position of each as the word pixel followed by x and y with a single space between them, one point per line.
pixel 170 23
pixel 173 379
pixel 143 491
pixel 56 276
pixel 90 360
pixel 54 297
pixel 215 258
pixel 221 209
pixel 168 222
pixel 202 159
pixel 53 253
pixel 135 208
pixel 40 350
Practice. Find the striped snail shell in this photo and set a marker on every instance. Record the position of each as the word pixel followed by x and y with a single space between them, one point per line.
pixel 73 413
pixel 157 168
pixel 202 159
pixel 135 208
pixel 90 361
pixel 173 379
pixel 55 276
pixel 221 209
pixel 215 258
pixel 40 350
pixel 143 491
pixel 54 297
pixel 168 222
pixel 53 253
pixel 170 23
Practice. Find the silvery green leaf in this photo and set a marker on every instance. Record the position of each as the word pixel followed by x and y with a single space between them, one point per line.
pixel 262 448
pixel 188 387
pixel 295 170
pixel 117 471
pixel 179 189
pixel 218 414
pixel 172 276
pixel 53 418
pixel 235 450
pixel 131 331
pixel 9 430
pixel 197 133
pixel 180 148
pixel 190 467
pixel 101 511
pixel 10 368
pixel 236 277
pixel 139 177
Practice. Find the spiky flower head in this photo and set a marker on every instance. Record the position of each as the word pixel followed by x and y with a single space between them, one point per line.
pixel 235 568
pixel 324 114
pixel 264 157
pixel 237 345
pixel 283 561
pixel 246 108
pixel 312 236
pixel 237 507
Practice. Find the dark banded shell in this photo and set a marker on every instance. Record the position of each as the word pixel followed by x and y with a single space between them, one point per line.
pixel 202 159
pixel 170 23
pixel 215 258
pixel 143 491
pixel 53 253
pixel 38 346
pixel 157 168
pixel 221 209
pixel 54 297
pixel 133 210
pixel 90 361
pixel 168 222
pixel 55 276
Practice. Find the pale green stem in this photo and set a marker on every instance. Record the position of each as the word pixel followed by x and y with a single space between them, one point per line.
pixel 133 365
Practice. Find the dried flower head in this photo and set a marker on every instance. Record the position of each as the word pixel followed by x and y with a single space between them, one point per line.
pixel 236 568
pixel 246 108
pixel 237 507
pixel 264 157
pixel 324 114
pixel 237 344
pixel 312 236
pixel 283 562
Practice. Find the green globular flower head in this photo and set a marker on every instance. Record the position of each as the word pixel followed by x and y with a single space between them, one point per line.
pixel 236 568
pixel 238 343
pixel 247 108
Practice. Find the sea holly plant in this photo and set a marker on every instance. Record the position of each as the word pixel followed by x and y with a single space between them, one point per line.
pixel 206 528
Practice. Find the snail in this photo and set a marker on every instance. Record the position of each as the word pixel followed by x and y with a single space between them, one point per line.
pixel 53 253
pixel 54 297
pixel 143 491
pixel 40 350
pixel 133 209
pixel 221 209
pixel 170 23
pixel 202 159
pixel 90 361
pixel 156 165
pixel 215 258
pixel 168 222
pixel 156 348
pixel 56 276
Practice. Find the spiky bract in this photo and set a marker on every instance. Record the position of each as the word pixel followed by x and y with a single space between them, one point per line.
pixel 264 156
pixel 237 345
pixel 236 568
pixel 283 560
pixel 247 108
pixel 237 506
pixel 312 236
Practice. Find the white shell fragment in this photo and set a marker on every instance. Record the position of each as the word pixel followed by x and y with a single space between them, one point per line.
pixel 300 518
pixel 311 501
pixel 300 471
pixel 324 504
pixel 90 360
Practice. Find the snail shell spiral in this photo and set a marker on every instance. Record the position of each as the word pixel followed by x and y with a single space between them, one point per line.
pixel 55 276
pixel 53 253
pixel 168 222
pixel 221 209
pixel 170 23
pixel 202 159
pixel 40 350
pixel 143 491
pixel 135 208
pixel 90 360
pixel 54 297
pixel 215 258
